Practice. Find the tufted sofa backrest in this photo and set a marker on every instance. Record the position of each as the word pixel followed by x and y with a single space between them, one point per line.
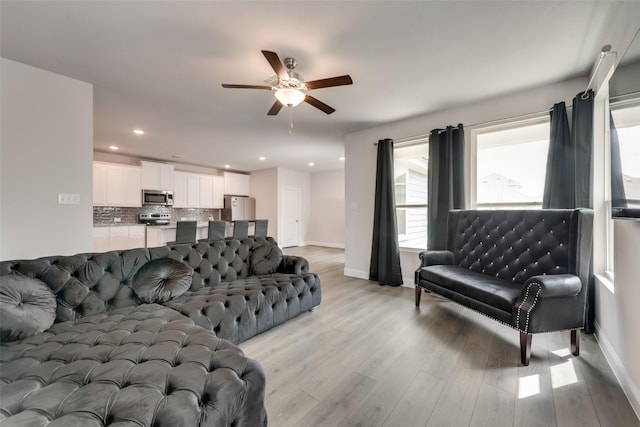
pixel 90 283
pixel 517 244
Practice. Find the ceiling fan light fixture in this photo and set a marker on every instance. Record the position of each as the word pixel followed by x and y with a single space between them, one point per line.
pixel 289 97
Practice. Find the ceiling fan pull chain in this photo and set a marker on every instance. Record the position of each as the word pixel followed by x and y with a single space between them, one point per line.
pixel 290 120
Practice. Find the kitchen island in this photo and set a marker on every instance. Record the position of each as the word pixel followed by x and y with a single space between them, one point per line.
pixel 159 235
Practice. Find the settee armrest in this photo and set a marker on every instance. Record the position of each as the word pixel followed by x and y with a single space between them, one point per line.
pixel 553 285
pixel 433 257
pixel 293 265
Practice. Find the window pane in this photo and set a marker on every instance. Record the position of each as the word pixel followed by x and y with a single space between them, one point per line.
pixel 627 121
pixel 410 174
pixel 511 166
pixel 412 227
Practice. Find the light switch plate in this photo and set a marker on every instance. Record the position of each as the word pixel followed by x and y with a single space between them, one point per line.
pixel 68 199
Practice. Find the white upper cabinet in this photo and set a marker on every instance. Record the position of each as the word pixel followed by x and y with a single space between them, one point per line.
pixel 194 190
pixel 180 190
pixel 116 185
pixel 206 191
pixel 99 184
pixel 218 192
pixel 157 176
pixel 236 184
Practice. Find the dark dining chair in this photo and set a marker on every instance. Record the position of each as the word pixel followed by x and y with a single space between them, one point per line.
pixel 217 231
pixel 240 229
pixel 186 232
pixel 260 227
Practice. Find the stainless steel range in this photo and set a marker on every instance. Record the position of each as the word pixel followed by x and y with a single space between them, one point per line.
pixel 154 218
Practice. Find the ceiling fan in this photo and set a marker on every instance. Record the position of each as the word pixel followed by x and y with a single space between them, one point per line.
pixel 291 88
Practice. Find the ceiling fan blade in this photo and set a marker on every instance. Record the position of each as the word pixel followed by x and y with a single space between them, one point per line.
pixel 276 64
pixel 275 108
pixel 332 81
pixel 318 104
pixel 232 86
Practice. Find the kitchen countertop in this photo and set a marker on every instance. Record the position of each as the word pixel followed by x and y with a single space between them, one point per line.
pixel 117 224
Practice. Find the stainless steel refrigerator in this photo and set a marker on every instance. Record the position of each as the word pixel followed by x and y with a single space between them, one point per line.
pixel 239 208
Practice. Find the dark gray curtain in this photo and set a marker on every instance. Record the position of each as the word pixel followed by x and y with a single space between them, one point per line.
pixel 582 138
pixel 582 141
pixel 385 251
pixel 569 178
pixel 618 196
pixel 559 186
pixel 445 181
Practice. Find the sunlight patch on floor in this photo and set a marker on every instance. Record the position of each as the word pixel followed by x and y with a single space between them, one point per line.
pixel 563 374
pixel 528 386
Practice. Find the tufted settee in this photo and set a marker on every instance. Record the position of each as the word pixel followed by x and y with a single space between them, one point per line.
pixel 112 358
pixel 528 269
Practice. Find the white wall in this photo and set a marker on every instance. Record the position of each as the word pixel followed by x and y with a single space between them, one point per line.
pixel 327 209
pixel 301 180
pixel 264 188
pixel 361 158
pixel 47 148
pixel 617 314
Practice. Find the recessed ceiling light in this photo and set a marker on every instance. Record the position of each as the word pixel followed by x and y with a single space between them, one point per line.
pixel 262 159
pixel 227 166
pixel 342 158
pixel 311 164
pixel 138 131
pixel 175 156
pixel 113 147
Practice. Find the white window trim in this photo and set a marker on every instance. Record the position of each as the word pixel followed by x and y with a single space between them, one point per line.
pixel 472 146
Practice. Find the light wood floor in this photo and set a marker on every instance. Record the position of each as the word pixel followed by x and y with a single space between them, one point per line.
pixel 367 357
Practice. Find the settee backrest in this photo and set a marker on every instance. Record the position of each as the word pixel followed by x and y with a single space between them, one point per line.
pixel 86 284
pixel 518 244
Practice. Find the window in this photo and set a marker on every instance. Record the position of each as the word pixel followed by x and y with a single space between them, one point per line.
pixel 510 165
pixel 410 177
pixel 627 121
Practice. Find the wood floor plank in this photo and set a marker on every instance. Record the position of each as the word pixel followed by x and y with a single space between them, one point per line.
pixel 384 396
pixel 345 396
pixel 368 356
pixel 417 403
pixel 494 407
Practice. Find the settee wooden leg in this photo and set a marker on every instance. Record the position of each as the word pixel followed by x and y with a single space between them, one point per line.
pixel 418 295
pixel 575 342
pixel 525 348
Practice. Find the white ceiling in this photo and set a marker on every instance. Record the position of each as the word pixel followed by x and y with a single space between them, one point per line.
pixel 158 65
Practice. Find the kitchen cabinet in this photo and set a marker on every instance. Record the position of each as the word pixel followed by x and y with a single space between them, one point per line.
pixel 237 184
pixel 206 191
pixel 116 185
pixel 187 190
pixel 218 192
pixel 157 176
pixel 101 239
pixel 118 238
pixel 194 190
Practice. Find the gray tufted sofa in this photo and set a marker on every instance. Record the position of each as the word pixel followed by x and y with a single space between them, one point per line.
pixel 528 269
pixel 111 359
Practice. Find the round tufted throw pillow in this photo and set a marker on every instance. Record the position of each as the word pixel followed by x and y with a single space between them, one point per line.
pixel 27 307
pixel 161 279
pixel 265 259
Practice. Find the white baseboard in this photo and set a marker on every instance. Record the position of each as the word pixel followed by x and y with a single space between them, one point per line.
pixel 325 244
pixel 629 388
pixel 358 274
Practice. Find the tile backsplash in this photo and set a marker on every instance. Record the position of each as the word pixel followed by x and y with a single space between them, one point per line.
pixel 103 215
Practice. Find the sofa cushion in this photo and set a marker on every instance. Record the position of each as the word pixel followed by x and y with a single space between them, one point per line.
pixel 265 259
pixel 493 291
pixel 27 307
pixel 161 279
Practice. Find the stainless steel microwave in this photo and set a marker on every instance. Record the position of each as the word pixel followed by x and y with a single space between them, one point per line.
pixel 157 197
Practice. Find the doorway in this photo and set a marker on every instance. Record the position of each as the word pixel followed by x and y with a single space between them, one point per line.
pixel 289 228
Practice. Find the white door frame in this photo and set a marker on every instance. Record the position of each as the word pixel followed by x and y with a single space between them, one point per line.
pixel 281 208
